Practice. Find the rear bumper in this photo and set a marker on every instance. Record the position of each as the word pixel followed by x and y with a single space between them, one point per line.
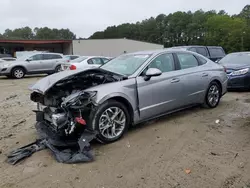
pixel 239 82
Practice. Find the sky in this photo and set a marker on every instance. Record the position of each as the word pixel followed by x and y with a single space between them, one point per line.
pixel 84 17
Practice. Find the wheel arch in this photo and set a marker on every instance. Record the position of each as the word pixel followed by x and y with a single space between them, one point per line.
pixel 219 83
pixel 122 99
pixel 19 66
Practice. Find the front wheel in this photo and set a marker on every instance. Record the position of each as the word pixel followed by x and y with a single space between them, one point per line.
pixel 111 121
pixel 213 95
pixel 18 73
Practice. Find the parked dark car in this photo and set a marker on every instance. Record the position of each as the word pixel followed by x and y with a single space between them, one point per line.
pixel 238 70
pixel 213 53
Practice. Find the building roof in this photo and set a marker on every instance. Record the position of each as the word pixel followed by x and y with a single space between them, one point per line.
pixel 34 41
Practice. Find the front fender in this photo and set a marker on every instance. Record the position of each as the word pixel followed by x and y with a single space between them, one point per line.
pixel 112 95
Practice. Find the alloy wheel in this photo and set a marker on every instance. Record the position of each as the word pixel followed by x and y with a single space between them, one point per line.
pixel 112 122
pixel 18 73
pixel 213 95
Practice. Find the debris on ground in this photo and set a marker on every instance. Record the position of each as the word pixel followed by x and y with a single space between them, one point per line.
pixel 20 122
pixel 217 121
pixel 188 171
pixel 11 97
pixel 128 145
pixel 213 153
pixel 62 151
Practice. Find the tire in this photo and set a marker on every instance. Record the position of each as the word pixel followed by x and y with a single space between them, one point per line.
pixel 213 95
pixel 58 68
pixel 18 73
pixel 104 135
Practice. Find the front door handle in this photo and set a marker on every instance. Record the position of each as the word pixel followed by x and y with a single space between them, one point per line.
pixel 204 74
pixel 175 80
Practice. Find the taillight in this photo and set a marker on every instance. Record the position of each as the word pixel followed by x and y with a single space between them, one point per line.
pixel 72 67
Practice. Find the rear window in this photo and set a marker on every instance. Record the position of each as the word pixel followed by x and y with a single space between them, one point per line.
pixel 216 52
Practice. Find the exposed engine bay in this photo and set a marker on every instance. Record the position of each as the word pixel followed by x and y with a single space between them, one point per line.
pixel 62 116
pixel 65 107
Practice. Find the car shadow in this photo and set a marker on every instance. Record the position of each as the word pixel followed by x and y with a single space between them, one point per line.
pixel 26 77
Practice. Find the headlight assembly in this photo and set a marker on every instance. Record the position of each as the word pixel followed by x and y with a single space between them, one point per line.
pixel 240 72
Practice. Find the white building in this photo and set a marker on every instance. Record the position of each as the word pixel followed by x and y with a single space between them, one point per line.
pixel 110 47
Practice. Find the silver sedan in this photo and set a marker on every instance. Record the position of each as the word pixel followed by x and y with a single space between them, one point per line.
pixel 129 89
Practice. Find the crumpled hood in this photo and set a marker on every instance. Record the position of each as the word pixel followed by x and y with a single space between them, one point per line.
pixel 46 83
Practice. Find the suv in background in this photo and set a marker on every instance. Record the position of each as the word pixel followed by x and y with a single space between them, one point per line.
pixel 37 63
pixel 214 53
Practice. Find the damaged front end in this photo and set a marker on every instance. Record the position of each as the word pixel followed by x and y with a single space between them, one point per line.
pixel 63 115
pixel 69 119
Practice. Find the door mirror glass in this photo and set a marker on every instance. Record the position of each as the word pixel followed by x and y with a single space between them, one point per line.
pixel 152 72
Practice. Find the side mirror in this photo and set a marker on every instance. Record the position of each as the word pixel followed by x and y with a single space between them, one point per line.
pixel 29 59
pixel 151 72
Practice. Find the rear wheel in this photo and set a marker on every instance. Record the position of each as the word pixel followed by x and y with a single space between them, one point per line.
pixel 111 121
pixel 18 72
pixel 58 68
pixel 213 95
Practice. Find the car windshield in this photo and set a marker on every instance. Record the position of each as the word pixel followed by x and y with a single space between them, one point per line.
pixel 126 64
pixel 79 59
pixel 236 58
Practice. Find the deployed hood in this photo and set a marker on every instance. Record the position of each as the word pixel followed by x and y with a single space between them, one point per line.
pixel 43 85
pixel 46 83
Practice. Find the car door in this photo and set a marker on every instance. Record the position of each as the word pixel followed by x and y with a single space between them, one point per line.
pixel 34 63
pixel 50 61
pixel 162 93
pixel 194 76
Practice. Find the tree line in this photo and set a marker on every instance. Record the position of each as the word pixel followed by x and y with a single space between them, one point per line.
pixel 232 32
pixel 43 33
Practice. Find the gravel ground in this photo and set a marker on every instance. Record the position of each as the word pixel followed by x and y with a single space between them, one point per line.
pixel 185 149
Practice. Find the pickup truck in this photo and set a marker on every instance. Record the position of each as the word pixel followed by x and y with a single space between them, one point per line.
pixel 214 53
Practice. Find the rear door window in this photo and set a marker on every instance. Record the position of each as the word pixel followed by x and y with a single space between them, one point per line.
pixel 192 49
pixel 105 60
pixel 51 56
pixel 202 51
pixel 187 60
pixel 96 61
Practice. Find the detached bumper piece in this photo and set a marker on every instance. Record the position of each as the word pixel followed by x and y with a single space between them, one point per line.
pixel 64 151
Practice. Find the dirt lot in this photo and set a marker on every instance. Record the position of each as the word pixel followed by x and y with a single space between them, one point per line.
pixel 157 154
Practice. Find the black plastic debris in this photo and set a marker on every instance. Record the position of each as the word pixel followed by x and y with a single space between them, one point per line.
pixel 64 151
pixel 25 151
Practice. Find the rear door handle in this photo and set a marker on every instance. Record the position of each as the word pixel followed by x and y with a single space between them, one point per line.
pixel 204 74
pixel 175 80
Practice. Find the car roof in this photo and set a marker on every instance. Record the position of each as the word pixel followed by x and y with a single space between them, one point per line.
pixel 151 52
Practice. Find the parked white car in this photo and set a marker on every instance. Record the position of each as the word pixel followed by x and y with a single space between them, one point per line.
pixel 85 62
